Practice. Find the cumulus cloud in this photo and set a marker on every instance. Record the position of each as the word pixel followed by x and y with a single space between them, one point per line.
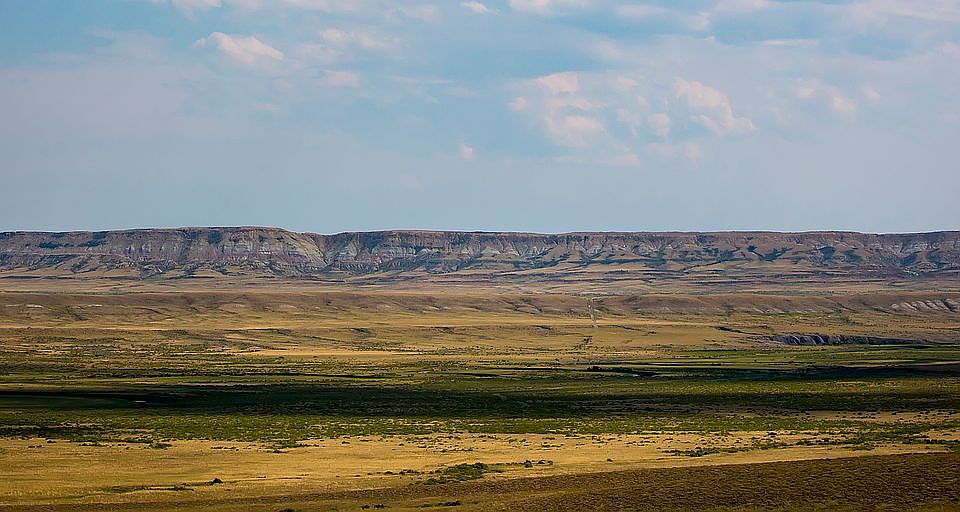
pixel 544 7
pixel 605 113
pixel 573 130
pixel 645 103
pixel 246 50
pixel 816 91
pixel 564 113
pixel 711 108
pixel 560 83
pixel 477 7
pixel 660 123
pixel 340 44
pixel 843 105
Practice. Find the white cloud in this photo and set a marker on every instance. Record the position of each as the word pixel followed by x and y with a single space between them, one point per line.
pixel 560 83
pixel 574 130
pixel 598 114
pixel 741 5
pixel 519 104
pixel 329 6
pixel 843 105
pixel 711 108
pixel 790 43
pixel 189 8
pixel 246 50
pixel 364 39
pixel 338 44
pixel 423 12
pixel 660 123
pixel 624 83
pixel 700 96
pixel 877 11
pixel 477 7
pixel 562 110
pixel 871 94
pixel 816 91
pixel 544 7
pixel 335 36
pixel 318 53
pixel 340 79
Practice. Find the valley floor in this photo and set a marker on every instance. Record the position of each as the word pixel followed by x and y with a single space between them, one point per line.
pixel 275 399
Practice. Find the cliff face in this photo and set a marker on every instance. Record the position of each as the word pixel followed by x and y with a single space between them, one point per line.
pixel 275 251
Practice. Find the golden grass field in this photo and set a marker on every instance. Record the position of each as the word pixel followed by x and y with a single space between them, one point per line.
pixel 136 396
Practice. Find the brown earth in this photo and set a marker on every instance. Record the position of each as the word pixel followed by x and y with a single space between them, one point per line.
pixel 902 482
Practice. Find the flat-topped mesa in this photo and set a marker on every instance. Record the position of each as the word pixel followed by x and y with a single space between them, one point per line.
pixel 280 252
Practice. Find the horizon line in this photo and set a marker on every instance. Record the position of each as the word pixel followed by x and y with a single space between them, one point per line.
pixel 479 231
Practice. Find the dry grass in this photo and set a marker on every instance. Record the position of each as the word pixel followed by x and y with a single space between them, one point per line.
pixel 902 482
pixel 307 398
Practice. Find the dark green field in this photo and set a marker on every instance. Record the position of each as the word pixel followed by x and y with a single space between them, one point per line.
pixel 285 404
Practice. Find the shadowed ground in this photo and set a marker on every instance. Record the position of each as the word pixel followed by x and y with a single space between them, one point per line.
pixel 907 482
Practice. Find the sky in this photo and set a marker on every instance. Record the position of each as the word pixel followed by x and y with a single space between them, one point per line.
pixel 519 115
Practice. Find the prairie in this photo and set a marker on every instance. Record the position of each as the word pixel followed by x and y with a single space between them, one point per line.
pixel 290 398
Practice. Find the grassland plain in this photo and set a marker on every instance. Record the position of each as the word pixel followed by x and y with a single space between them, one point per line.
pixel 274 398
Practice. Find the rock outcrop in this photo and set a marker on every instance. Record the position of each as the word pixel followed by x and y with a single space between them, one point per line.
pixel 189 251
pixel 831 339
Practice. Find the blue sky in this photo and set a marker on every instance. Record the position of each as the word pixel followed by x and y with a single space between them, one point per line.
pixel 532 115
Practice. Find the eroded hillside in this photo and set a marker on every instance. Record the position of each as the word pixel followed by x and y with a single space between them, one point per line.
pixel 398 255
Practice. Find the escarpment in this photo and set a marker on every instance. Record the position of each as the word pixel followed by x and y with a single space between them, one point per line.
pixel 189 251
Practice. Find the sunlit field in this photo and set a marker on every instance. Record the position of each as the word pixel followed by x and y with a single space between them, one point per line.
pixel 274 400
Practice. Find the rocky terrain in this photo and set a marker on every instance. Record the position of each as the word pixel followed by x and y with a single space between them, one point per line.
pixel 201 252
